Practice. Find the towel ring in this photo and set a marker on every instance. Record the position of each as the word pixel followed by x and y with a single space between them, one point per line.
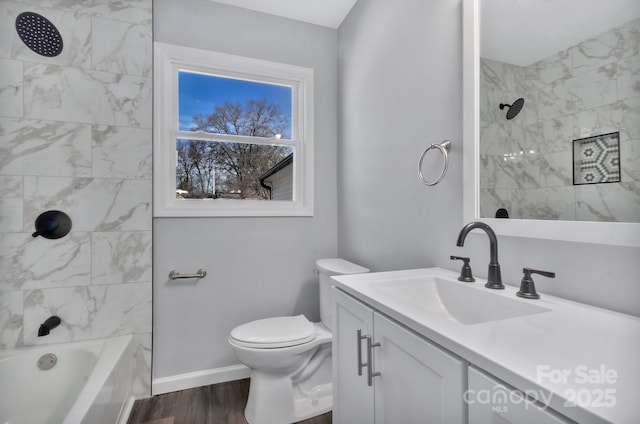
pixel 444 147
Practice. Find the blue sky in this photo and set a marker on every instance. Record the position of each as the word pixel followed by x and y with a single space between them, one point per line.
pixel 198 94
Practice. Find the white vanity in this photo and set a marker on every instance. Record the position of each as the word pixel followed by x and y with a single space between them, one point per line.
pixel 418 346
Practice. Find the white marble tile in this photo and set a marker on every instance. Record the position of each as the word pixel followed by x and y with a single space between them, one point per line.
pixel 497 139
pixel 142 365
pixel 614 45
pixel 75 29
pixel 616 202
pixel 493 199
pixel 604 49
pixel 532 136
pixel 557 135
pixel 48 148
pixel 630 161
pixel 594 88
pixel 548 71
pixel 88 312
pixel 630 34
pixel 486 172
pixel 121 47
pixel 629 78
pixel 501 76
pixel 94 204
pixel 586 91
pixel 29 262
pixel 600 120
pixel 556 203
pixel 121 152
pixel 70 94
pixel 487 111
pixel 508 172
pixel 11 88
pixel 11 204
pixel 556 169
pixel 630 128
pixel 10 319
pixel 136 11
pixel 121 257
pixel 529 113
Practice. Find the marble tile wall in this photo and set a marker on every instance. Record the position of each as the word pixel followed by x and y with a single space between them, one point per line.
pixel 75 135
pixel 526 163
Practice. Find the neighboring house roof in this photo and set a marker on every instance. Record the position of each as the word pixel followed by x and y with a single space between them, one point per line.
pixel 277 167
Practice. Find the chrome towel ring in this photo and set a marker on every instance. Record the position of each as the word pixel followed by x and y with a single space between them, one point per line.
pixel 444 148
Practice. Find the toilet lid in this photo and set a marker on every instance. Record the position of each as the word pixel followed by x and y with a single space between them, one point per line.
pixel 274 332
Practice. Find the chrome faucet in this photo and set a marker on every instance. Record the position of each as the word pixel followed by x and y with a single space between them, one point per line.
pixel 494 278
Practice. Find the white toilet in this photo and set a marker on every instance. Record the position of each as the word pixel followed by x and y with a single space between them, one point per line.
pixel 290 358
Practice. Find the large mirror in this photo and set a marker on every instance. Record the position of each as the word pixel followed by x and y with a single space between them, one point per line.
pixel 552 118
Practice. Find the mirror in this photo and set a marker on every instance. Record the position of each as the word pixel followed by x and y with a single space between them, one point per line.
pixel 534 120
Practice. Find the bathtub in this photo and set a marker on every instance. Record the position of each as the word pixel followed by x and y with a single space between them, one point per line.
pixel 89 384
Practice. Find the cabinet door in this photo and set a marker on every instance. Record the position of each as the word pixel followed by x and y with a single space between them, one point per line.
pixel 352 397
pixel 491 402
pixel 418 382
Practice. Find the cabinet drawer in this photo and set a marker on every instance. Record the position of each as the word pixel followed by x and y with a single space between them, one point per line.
pixel 490 402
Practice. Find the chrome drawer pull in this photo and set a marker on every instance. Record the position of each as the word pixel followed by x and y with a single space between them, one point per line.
pixel 175 275
pixel 370 373
pixel 359 342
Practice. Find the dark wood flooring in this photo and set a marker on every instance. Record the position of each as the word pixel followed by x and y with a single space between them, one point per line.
pixel 222 403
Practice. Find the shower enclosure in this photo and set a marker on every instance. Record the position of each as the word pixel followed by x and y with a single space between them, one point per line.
pixel 75 136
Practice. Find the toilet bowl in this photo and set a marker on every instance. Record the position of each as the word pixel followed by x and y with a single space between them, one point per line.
pixel 290 358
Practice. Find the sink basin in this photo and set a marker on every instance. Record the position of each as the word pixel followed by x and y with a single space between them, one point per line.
pixel 461 303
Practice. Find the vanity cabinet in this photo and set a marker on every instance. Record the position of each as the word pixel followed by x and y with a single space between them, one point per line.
pixel 411 381
pixel 490 401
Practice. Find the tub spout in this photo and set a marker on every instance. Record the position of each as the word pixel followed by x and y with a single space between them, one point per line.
pixel 48 325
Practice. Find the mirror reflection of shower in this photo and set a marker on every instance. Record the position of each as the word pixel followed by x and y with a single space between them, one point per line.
pixel 514 108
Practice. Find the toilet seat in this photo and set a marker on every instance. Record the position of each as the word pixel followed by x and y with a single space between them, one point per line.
pixel 272 333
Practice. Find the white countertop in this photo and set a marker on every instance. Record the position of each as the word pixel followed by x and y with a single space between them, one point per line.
pixel 586 343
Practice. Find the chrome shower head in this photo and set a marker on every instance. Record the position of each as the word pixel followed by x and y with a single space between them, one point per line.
pixel 514 109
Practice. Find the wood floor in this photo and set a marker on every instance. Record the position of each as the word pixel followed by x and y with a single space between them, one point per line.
pixel 222 403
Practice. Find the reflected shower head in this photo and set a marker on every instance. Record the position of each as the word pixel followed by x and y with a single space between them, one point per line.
pixel 514 109
pixel 39 34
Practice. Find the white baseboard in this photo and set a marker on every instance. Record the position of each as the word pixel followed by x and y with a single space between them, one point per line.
pixel 199 378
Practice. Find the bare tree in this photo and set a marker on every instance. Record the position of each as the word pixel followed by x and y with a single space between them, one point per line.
pixel 234 168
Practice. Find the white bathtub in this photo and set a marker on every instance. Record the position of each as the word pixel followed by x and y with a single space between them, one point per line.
pixel 90 383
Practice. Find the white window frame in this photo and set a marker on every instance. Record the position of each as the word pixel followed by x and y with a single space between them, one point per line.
pixel 168 60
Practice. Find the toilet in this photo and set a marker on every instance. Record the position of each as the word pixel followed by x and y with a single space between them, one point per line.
pixel 290 358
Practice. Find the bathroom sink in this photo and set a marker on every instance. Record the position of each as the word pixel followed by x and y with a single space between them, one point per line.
pixel 461 303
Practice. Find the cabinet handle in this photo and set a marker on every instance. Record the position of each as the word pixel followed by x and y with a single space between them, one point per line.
pixel 370 373
pixel 359 343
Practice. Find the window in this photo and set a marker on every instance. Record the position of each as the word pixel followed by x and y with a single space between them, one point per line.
pixel 233 136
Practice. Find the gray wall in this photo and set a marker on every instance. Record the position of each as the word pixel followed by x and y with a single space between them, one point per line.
pixel 257 267
pixel 399 90
pixel 75 135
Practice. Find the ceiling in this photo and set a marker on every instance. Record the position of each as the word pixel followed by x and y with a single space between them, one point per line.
pixel 522 32
pixel 328 13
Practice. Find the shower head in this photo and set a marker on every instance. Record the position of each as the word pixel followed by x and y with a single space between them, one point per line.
pixel 514 109
pixel 39 34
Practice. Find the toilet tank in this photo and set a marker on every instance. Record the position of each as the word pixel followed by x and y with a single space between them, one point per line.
pixel 326 268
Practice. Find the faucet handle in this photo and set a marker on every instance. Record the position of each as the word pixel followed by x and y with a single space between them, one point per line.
pixel 465 273
pixel 527 287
